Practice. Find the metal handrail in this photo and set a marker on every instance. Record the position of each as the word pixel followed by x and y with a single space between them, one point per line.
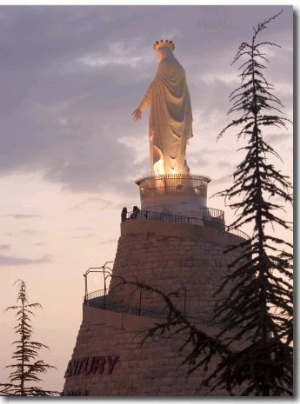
pixel 207 214
pixel 204 319
pixel 100 298
pixel 104 270
pixel 94 300
pixel 173 176
pixel 100 293
pixel 211 218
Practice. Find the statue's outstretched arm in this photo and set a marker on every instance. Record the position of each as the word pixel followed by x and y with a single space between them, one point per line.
pixel 137 113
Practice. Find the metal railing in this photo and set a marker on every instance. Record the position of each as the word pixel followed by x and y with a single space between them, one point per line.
pixel 210 218
pixel 173 184
pixel 100 300
pixel 191 177
pixel 104 270
pixel 206 214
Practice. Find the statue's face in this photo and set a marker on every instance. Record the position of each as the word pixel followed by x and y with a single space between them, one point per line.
pixel 159 55
pixel 162 53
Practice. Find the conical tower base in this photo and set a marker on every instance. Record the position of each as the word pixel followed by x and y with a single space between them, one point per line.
pixel 108 358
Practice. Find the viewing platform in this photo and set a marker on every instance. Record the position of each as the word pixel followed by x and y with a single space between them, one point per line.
pixel 182 194
pixel 210 228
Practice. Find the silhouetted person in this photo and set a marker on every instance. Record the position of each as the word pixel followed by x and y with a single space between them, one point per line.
pixel 124 214
pixel 135 212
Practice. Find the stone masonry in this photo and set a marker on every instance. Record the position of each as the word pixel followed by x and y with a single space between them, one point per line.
pixel 108 359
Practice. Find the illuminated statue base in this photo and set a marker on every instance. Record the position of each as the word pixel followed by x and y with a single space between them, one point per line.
pixel 176 194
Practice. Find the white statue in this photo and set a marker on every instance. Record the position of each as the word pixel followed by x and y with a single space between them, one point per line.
pixel 170 121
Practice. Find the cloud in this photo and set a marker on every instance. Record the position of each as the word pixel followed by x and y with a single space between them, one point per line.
pixel 21 216
pixel 6 260
pixel 71 77
pixel 4 247
pixel 90 235
pixel 32 232
pixel 102 203
pixel 277 138
pixel 224 179
pixel 110 241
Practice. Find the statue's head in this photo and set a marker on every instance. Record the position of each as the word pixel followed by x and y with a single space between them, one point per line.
pixel 159 44
pixel 163 48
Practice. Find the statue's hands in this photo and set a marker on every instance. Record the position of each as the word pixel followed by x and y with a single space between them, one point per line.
pixel 137 114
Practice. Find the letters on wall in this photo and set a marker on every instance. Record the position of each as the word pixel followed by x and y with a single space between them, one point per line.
pixel 91 365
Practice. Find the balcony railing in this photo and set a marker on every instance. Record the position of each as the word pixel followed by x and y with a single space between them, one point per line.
pixel 173 184
pixel 210 218
pixel 100 300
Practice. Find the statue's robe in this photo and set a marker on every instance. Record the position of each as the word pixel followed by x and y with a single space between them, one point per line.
pixel 170 120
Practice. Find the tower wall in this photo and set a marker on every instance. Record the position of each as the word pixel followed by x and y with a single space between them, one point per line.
pixel 171 257
pixel 108 359
pixel 152 369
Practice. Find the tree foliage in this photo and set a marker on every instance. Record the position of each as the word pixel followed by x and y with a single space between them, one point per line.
pixel 27 368
pixel 260 306
pixel 257 314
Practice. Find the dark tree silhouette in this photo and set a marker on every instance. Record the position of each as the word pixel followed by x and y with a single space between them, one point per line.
pixel 259 308
pixel 257 314
pixel 27 368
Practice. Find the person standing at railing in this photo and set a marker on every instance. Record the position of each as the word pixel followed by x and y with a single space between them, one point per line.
pixel 124 214
pixel 135 212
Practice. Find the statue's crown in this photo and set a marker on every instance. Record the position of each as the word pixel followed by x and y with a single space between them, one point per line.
pixel 159 44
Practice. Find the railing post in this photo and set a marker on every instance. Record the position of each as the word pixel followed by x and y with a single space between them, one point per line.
pixel 85 287
pixel 140 302
pixel 184 307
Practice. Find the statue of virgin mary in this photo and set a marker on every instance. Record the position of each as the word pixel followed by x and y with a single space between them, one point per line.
pixel 170 118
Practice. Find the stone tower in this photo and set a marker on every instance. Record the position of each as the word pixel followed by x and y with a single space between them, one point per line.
pixel 175 243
